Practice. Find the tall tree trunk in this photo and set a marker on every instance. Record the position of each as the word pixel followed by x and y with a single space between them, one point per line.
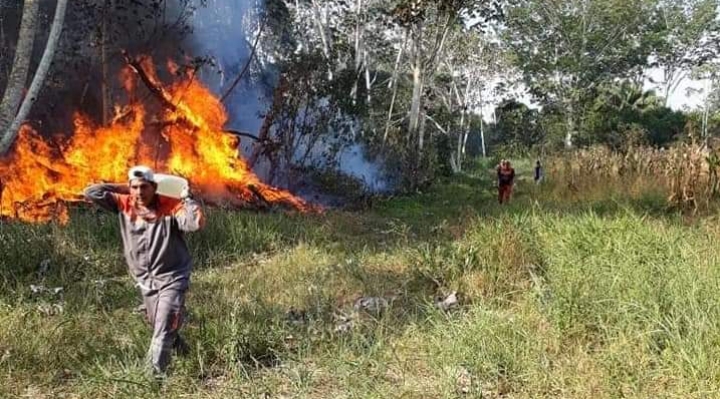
pixel 358 50
pixel 39 77
pixel 21 64
pixel 570 125
pixel 416 104
pixel 464 130
pixel 704 126
pixel 105 92
pixel 321 26
pixel 368 81
pixel 482 131
pixel 393 85
pixel 465 139
pixel 482 136
pixel 3 44
pixel 460 141
pixel 105 87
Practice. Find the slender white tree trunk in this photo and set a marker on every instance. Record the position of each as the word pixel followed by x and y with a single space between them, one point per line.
pixel 482 136
pixel 570 122
pixel 417 71
pixel 39 77
pixel 21 64
pixel 482 130
pixel 320 24
pixel 393 85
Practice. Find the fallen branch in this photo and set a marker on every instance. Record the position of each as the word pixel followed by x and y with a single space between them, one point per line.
pixel 259 196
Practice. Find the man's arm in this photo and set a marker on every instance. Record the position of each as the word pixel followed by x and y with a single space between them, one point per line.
pixel 106 195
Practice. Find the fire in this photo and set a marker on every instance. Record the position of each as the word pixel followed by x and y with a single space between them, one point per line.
pixel 39 177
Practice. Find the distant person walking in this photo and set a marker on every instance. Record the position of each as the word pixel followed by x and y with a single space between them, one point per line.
pixel 506 181
pixel 538 172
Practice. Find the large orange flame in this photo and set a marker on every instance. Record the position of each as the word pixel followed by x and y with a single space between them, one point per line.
pixel 39 177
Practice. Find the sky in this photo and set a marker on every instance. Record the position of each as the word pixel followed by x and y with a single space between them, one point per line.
pixel 679 100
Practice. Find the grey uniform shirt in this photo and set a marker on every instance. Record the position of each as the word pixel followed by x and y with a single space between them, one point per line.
pixel 155 249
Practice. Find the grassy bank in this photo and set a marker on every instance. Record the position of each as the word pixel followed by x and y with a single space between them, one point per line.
pixel 600 294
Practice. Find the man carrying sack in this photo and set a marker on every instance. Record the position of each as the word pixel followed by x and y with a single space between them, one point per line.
pixel 152 227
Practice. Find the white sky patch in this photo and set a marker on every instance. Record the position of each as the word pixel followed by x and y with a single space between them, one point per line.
pixel 680 99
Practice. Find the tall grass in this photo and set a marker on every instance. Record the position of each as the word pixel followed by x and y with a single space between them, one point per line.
pixel 686 174
pixel 604 297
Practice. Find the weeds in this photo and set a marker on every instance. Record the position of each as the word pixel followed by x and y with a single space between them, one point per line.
pixel 686 174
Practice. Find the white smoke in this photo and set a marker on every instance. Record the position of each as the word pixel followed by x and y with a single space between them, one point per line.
pixel 225 30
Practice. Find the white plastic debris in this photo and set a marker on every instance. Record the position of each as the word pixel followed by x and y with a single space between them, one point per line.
pixel 373 304
pixel 51 309
pixel 447 303
pixel 37 289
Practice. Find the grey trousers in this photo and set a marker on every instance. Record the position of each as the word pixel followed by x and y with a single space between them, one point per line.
pixel 164 313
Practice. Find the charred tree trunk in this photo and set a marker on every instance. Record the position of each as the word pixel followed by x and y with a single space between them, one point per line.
pixel 154 87
pixel 104 91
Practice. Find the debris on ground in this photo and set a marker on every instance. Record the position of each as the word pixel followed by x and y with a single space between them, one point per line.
pixel 373 305
pixel 463 380
pixel 445 303
pixel 343 323
pixel 296 317
pixel 49 310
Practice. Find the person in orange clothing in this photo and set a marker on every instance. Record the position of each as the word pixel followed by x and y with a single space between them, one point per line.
pixel 153 230
pixel 506 181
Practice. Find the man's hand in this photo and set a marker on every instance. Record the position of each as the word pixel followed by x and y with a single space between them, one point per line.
pixel 185 193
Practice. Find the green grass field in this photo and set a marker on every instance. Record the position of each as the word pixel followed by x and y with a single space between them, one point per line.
pixel 598 294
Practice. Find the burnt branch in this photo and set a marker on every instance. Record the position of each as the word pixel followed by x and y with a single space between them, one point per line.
pixel 243 134
pixel 261 198
pixel 154 87
pixel 247 64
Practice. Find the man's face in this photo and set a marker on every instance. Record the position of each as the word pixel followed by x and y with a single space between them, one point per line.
pixel 142 191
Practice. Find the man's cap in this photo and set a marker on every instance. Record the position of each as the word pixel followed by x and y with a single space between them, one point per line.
pixel 141 172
